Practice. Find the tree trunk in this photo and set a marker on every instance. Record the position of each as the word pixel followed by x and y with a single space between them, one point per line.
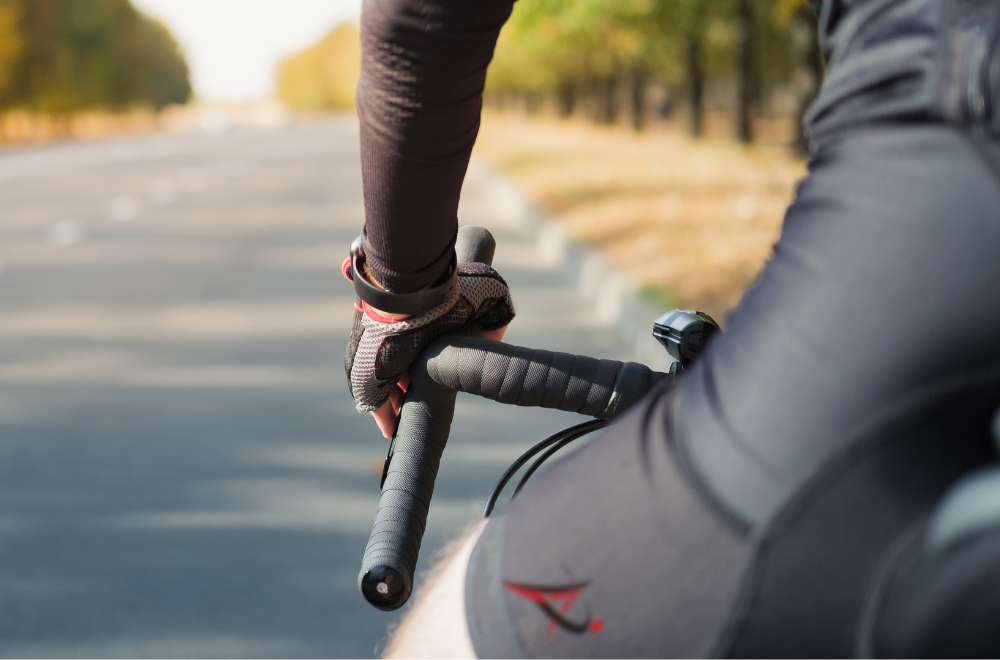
pixel 637 98
pixel 695 85
pixel 566 97
pixel 533 102
pixel 808 71
pixel 745 78
pixel 607 111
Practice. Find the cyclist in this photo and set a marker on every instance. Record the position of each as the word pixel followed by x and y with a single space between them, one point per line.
pixel 753 508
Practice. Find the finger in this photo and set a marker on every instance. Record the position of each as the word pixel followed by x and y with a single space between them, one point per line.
pixel 386 419
pixel 396 394
pixel 397 391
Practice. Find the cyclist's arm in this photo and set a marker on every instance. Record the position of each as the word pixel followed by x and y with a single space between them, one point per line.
pixel 436 626
pixel 419 101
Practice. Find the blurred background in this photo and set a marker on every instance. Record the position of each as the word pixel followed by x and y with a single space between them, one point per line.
pixel 182 473
pixel 591 106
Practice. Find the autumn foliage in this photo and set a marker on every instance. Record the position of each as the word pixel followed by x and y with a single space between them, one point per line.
pixel 59 57
pixel 324 76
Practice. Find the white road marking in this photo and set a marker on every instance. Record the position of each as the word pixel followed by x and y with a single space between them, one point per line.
pixel 215 121
pixel 123 208
pixel 235 168
pixel 193 179
pixel 65 233
pixel 162 192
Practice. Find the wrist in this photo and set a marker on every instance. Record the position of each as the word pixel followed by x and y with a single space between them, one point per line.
pixel 402 305
pixel 378 314
pixel 384 317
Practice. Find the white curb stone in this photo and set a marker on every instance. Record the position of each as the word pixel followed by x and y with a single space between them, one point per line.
pixel 612 296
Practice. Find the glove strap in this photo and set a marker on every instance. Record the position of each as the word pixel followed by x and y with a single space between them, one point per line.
pixel 415 302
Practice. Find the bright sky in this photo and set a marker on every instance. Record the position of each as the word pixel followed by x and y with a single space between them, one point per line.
pixel 233 46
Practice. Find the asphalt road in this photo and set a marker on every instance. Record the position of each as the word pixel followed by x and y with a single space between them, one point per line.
pixel 182 472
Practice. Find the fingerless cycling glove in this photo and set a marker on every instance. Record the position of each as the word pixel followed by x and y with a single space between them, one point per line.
pixel 381 350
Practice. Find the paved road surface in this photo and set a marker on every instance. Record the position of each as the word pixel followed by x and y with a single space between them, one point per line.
pixel 182 472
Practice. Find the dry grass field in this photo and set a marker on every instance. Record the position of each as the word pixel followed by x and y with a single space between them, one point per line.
pixel 691 221
pixel 19 127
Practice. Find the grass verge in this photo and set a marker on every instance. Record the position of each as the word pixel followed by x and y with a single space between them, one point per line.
pixel 690 221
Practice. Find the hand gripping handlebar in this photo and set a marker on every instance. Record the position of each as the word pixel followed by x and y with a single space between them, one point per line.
pixel 508 374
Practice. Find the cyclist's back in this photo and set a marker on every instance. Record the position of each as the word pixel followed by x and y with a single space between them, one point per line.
pixel 776 501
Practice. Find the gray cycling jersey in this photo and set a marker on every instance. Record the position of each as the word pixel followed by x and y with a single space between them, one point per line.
pixel 908 60
pixel 775 503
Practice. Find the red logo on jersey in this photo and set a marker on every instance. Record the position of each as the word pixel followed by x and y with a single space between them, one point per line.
pixel 549 599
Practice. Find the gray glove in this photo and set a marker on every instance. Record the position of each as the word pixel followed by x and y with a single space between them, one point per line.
pixel 381 350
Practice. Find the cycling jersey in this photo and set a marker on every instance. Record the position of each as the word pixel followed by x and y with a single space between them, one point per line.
pixel 419 100
pixel 909 61
pixel 748 511
pixel 751 509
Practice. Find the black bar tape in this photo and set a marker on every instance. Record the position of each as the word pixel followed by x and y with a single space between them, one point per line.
pixel 513 380
pixel 527 377
pixel 386 576
pixel 474 244
pixel 580 381
pixel 556 380
pixel 533 391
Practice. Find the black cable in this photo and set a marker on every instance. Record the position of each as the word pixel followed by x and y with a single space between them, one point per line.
pixel 552 450
pixel 516 465
pixel 586 427
pixel 392 450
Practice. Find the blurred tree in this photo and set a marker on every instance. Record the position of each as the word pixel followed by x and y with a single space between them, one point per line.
pixel 546 45
pixel 742 41
pixel 11 43
pixel 799 18
pixel 166 78
pixel 604 51
pixel 595 54
pixel 695 84
pixel 688 24
pixel 652 50
pixel 745 70
pixel 79 55
pixel 590 50
pixel 324 76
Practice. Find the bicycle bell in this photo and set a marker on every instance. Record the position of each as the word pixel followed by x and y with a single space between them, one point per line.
pixel 684 333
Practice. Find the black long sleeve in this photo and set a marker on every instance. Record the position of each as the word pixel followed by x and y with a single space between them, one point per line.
pixel 423 67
